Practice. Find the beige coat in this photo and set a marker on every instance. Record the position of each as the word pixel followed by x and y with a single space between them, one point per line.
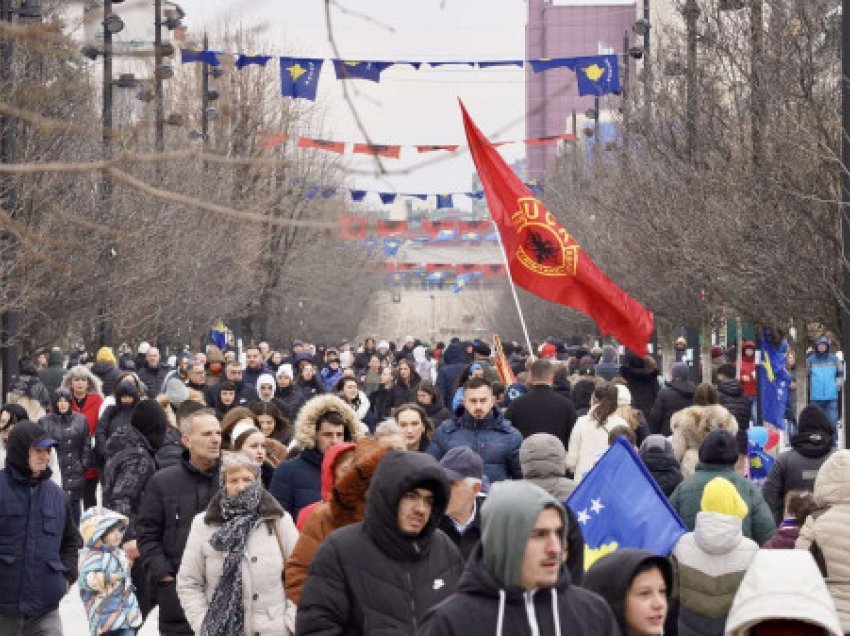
pixel 830 529
pixel 691 426
pixel 588 441
pixel 262 566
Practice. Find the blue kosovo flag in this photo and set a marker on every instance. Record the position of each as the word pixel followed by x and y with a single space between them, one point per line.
pixel 619 505
pixel 299 77
pixel 218 334
pixel 387 197
pixel 357 195
pixel 360 70
pixel 444 201
pixel 462 280
pixel 397 278
pixel 187 56
pixel 245 60
pixel 597 74
pixel 435 277
pixel 773 383
pixel 446 235
pixel 546 63
pixel 391 246
pixel 470 236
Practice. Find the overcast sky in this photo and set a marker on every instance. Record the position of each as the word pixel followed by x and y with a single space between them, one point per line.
pixel 407 106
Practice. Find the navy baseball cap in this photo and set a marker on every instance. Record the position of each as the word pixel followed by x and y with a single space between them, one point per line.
pixel 461 462
pixel 44 442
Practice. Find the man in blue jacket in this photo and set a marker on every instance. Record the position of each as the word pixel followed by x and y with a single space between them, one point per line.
pixel 481 427
pixel 38 539
pixel 825 374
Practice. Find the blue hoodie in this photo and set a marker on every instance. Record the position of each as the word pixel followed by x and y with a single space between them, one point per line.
pixel 454 362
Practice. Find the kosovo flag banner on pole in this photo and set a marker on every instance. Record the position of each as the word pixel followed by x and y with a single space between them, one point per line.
pixel 218 334
pixel 773 384
pixel 619 505
pixel 299 77
pixel 597 74
pixel 544 259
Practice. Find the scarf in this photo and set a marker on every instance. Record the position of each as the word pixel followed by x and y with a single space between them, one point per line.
pixel 226 614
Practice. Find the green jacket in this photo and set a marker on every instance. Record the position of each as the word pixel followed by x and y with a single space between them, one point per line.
pixel 758 525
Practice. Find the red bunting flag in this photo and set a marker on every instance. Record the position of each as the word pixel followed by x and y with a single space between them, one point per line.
pixel 433 228
pixel 544 259
pixel 390 152
pixel 432 148
pixel 473 226
pixel 385 228
pixel 494 270
pixel 352 227
pixel 331 146
pixel 468 268
pixel 274 140
pixel 542 141
pixel 438 267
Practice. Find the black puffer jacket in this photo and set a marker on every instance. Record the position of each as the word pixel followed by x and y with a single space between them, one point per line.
pixel 673 397
pixel 797 468
pixel 481 605
pixel 369 578
pixel 172 499
pixel 108 374
pixel 664 468
pixel 126 474
pixel 73 449
pixel 733 399
pixel 114 418
pixel 642 383
pixel 172 449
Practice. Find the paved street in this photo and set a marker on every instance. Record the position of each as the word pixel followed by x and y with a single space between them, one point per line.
pixel 75 623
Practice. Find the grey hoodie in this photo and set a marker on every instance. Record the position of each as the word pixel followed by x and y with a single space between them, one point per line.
pixel 507 519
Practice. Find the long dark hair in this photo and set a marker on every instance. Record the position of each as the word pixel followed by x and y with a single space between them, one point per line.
pixel 427 424
pixel 606 402
pixel 414 375
pixel 283 429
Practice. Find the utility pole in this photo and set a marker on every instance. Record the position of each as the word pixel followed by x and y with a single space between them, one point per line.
pixel 158 96
pixel 845 197
pixel 759 106
pixel 205 97
pixel 106 191
pixel 10 318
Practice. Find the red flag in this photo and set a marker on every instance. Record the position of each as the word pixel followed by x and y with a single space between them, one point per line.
pixel 352 227
pixel 390 152
pixel 385 228
pixel 544 259
pixel 332 146
pixel 432 148
pixel 433 228
pixel 494 270
pixel 473 226
pixel 438 267
pixel 274 140
pixel 540 141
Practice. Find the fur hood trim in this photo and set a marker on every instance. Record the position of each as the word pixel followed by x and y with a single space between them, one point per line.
pixel 696 422
pixel 348 501
pixel 308 416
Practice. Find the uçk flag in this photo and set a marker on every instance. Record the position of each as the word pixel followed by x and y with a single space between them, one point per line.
pixel 544 259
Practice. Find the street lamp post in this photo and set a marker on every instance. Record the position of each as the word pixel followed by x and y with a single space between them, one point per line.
pixel 845 198
pixel 158 96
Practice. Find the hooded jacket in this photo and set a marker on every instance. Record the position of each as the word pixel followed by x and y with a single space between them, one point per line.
pixel 344 504
pixel 126 474
pixel 732 397
pixel 544 460
pixel 490 599
pixel 824 369
pixel 454 362
pixel 298 482
pixel 115 417
pixel 678 394
pixel 748 369
pixel 493 438
pixel 369 577
pixel 73 448
pixel 661 463
pixel 263 599
pixel 612 575
pixel 690 427
pixel 108 374
pixel 90 407
pixel 38 538
pixel 829 530
pixel 105 584
pixel 27 390
pixel 797 468
pixel 642 383
pixel 51 377
pixel 709 564
pixel 782 584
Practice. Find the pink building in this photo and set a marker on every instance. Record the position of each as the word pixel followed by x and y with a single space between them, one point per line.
pixel 567 28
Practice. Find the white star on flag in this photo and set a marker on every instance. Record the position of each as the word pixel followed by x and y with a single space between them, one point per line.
pixel 596 505
pixel 583 517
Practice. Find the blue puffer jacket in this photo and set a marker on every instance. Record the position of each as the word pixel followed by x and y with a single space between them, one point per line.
pixel 824 369
pixel 34 567
pixel 493 438
pixel 298 482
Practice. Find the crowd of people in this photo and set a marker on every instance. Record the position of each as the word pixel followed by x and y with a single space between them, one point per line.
pixel 411 489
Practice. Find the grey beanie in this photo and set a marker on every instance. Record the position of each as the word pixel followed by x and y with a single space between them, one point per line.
pixel 507 519
pixel 656 443
pixel 176 391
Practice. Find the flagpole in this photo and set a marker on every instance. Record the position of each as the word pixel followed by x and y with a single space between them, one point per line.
pixel 513 289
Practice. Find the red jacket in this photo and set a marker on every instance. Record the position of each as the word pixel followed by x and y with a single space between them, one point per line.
pixel 91 408
pixel 748 371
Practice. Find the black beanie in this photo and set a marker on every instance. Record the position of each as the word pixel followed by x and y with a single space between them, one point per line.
pixel 813 420
pixel 481 348
pixel 150 420
pixel 719 447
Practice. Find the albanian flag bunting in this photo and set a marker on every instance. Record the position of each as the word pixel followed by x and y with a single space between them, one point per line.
pixel 544 259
